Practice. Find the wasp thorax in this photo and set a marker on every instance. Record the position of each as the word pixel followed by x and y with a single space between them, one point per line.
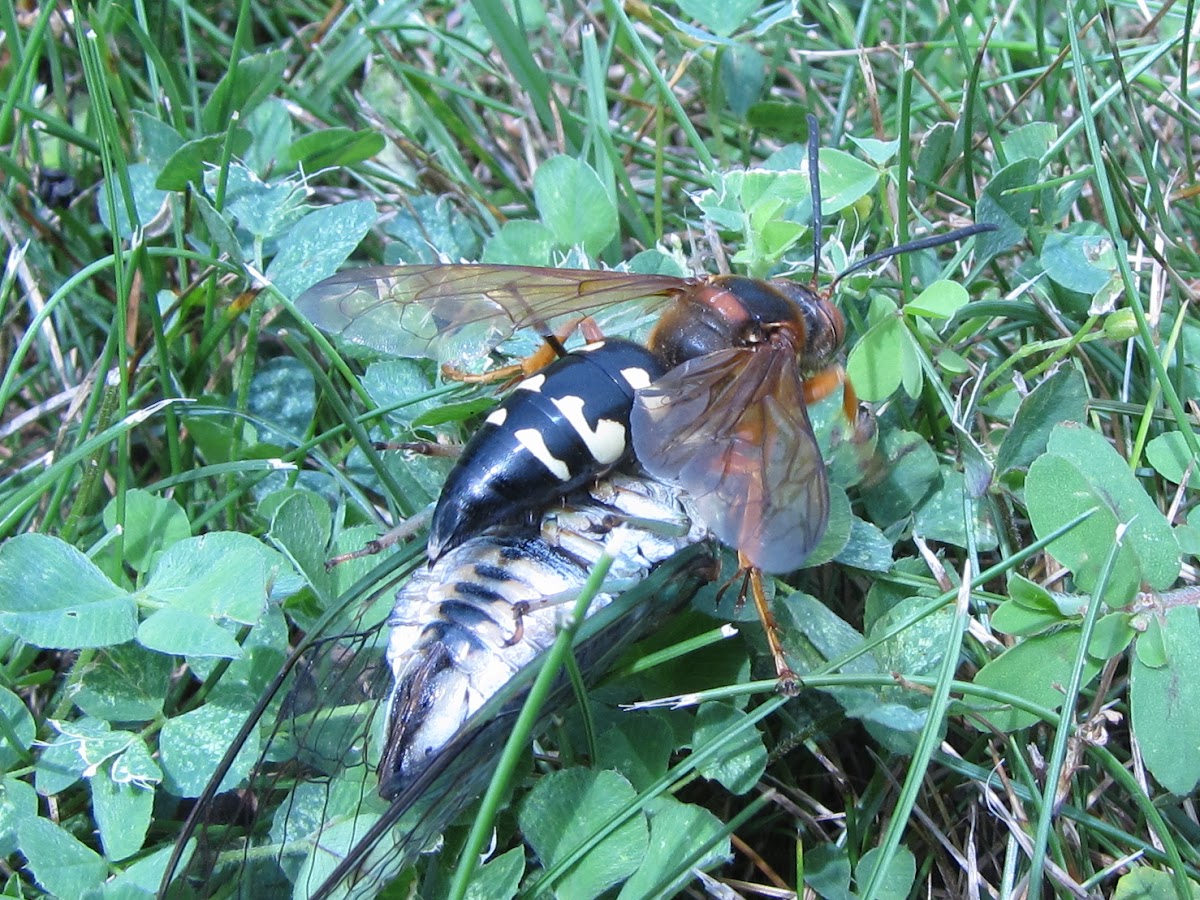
pixel 695 325
pixel 731 311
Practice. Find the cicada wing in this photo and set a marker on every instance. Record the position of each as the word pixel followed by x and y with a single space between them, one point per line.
pixel 313 786
pixel 732 429
pixel 327 832
pixel 425 311
pixel 458 772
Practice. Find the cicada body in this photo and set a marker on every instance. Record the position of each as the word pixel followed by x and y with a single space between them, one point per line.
pixel 424 701
pixel 464 628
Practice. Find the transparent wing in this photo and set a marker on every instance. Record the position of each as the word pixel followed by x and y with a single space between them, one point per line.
pixel 732 428
pixel 421 311
pixel 311 794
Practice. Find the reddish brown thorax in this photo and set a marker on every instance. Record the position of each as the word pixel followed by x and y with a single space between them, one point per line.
pixel 731 311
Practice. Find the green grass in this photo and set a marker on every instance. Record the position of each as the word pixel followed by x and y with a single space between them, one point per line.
pixel 180 453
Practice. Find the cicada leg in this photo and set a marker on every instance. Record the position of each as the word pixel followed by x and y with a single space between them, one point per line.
pixel 410 526
pixel 519 611
pixel 400 533
pixel 524 608
pixel 422 448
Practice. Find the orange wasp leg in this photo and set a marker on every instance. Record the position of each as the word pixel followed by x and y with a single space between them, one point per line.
pixel 825 382
pixel 862 422
pixel 551 349
pixel 789 681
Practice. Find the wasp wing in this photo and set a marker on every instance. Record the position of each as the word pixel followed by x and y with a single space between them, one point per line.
pixel 419 311
pixel 732 428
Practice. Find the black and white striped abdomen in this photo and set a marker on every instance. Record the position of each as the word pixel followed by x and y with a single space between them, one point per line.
pixel 462 628
pixel 556 431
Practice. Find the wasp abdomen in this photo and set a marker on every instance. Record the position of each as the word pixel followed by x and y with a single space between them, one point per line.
pixel 555 432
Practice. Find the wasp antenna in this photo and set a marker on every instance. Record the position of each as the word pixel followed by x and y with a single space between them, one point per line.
pixel 556 344
pixel 933 240
pixel 814 181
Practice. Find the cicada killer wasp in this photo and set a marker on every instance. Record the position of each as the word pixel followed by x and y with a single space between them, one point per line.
pixel 717 402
